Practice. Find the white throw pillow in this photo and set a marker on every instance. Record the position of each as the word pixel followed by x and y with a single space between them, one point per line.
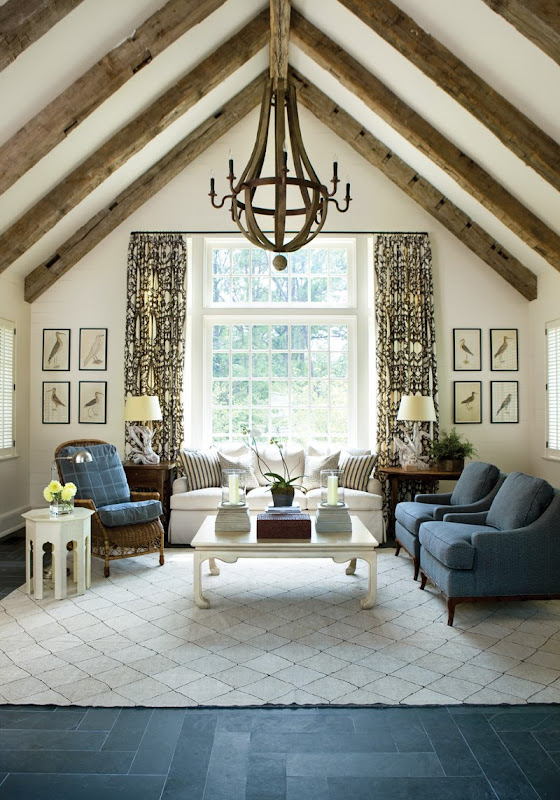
pixel 243 462
pixel 313 467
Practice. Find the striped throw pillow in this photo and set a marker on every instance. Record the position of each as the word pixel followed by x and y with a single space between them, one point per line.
pixel 357 470
pixel 201 468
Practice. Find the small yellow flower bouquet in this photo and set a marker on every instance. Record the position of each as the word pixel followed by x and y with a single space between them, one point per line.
pixel 61 498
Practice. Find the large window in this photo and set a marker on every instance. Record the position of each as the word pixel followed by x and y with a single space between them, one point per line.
pixel 280 347
pixel 7 388
pixel 553 388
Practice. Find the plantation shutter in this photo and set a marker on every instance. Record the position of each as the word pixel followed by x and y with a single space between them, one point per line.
pixel 7 387
pixel 553 387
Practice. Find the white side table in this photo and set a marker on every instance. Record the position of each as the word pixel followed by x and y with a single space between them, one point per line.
pixel 41 528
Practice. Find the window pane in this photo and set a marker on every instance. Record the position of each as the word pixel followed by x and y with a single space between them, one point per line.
pixel 220 393
pixel 221 290
pixel 300 290
pixel 220 262
pixel 318 261
pixel 319 365
pixel 240 392
pixel 339 365
pixel 240 261
pixel 220 335
pixel 338 262
pixel 240 290
pixel 319 288
pixel 299 365
pixel 260 337
pixel 260 365
pixel 240 337
pixel 279 289
pixel 220 365
pixel 298 262
pixel 319 337
pixel 279 337
pixel 240 365
pixel 260 393
pixel 319 393
pixel 259 262
pixel 279 393
pixel 300 338
pixel 220 422
pixel 300 393
pixel 260 290
pixel 279 365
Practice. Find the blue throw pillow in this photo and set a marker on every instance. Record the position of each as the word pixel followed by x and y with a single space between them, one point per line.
pixel 476 481
pixel 102 480
pixel 519 502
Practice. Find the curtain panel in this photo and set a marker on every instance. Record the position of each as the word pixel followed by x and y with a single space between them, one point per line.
pixel 155 330
pixel 406 342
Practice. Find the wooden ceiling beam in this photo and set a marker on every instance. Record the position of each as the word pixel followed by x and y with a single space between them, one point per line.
pixel 22 22
pixel 468 174
pixel 538 20
pixel 279 39
pixel 416 187
pixel 145 187
pixel 516 131
pixel 201 80
pixel 63 115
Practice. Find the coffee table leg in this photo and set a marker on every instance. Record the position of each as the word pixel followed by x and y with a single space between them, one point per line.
pixel 201 601
pixel 213 567
pixel 369 600
pixel 351 568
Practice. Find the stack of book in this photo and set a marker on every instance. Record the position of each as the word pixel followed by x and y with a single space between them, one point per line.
pixel 232 518
pixel 333 519
pixel 272 509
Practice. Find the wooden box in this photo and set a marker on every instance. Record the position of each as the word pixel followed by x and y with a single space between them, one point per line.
pixel 285 526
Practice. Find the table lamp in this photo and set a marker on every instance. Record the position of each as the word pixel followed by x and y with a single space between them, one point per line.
pixel 414 408
pixel 141 409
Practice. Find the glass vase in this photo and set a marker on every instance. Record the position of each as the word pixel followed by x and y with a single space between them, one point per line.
pixel 233 487
pixel 59 508
pixel 332 487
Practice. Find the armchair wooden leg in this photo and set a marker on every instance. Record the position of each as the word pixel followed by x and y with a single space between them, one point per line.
pixel 450 610
pixel 398 548
pixel 161 555
pixel 423 580
pixel 416 562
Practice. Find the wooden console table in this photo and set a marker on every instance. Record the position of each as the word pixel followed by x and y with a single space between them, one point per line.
pixel 157 477
pixel 397 474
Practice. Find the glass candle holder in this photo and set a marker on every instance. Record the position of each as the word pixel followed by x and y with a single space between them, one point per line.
pixel 233 487
pixel 332 487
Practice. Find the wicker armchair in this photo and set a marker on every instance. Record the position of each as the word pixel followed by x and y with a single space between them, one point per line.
pixel 123 541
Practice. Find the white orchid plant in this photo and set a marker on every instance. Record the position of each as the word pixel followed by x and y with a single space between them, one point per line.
pixel 276 481
pixel 55 491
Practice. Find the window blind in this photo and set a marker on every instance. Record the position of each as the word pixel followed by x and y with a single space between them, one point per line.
pixel 7 387
pixel 553 387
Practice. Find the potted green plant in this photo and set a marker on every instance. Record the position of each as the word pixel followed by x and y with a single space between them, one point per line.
pixel 450 450
pixel 282 487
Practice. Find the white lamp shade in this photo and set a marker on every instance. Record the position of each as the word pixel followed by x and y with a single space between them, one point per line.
pixel 416 408
pixel 138 409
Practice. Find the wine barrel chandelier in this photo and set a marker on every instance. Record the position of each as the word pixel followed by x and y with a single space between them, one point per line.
pixel 294 178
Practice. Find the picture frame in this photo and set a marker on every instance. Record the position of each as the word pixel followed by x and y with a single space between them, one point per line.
pixel 467 402
pixel 92 403
pixel 56 403
pixel 467 349
pixel 504 350
pixel 56 349
pixel 93 349
pixel 504 402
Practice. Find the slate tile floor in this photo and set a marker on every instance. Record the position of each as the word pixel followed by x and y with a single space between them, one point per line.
pixel 460 752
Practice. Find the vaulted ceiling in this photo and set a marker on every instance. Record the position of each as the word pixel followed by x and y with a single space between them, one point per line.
pixel 104 103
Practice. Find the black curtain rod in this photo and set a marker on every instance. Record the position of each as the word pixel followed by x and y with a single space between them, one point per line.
pixel 324 233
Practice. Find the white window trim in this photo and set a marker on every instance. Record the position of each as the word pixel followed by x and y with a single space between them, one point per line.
pixel 289 319
pixel 225 242
pixel 7 378
pixel 552 388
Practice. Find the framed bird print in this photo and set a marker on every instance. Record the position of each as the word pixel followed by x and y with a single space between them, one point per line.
pixel 467 403
pixel 504 401
pixel 56 349
pixel 56 402
pixel 93 349
pixel 503 349
pixel 92 402
pixel 467 349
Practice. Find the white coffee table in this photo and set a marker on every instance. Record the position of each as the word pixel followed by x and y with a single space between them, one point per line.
pixel 228 547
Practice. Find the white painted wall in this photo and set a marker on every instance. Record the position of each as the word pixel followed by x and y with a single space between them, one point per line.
pixel 14 471
pixel 467 294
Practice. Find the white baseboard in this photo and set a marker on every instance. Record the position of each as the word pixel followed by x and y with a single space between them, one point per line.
pixel 11 521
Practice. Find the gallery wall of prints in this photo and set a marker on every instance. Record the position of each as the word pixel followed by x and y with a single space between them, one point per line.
pixel 60 354
pixel 501 356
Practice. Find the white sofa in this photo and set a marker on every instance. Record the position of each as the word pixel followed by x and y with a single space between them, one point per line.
pixel 189 508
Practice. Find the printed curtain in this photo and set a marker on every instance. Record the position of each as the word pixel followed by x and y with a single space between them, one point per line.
pixel 406 342
pixel 155 330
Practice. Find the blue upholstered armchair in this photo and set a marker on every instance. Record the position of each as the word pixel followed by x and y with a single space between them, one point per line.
pixel 510 552
pixel 474 491
pixel 125 523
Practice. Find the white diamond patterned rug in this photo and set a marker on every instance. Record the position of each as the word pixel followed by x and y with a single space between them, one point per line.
pixel 277 632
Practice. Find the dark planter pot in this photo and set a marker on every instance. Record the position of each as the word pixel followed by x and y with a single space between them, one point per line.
pixel 283 497
pixel 451 464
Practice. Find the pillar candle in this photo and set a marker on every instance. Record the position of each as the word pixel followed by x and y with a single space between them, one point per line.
pixel 332 490
pixel 234 490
